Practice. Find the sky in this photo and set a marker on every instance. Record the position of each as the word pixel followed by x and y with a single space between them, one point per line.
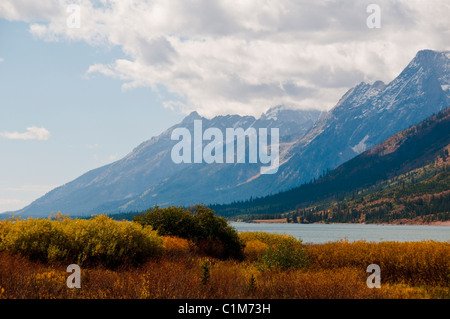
pixel 83 85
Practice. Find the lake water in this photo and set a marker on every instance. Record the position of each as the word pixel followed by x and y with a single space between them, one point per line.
pixel 322 233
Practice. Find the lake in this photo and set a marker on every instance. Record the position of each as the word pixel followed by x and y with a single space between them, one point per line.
pixel 322 233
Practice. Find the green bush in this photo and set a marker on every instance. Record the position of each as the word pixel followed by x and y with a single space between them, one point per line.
pixel 282 252
pixel 219 239
pixel 170 221
pixel 284 256
pixel 212 235
pixel 99 240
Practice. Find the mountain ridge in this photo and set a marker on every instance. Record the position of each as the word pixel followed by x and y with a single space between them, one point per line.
pixel 366 115
pixel 411 149
pixel 144 167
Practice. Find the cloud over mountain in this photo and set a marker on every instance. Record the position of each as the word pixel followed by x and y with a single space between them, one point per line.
pixel 222 57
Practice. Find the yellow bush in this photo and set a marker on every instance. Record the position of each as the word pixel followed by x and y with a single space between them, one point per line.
pixel 267 238
pixel 98 240
pixel 254 249
pixel 37 238
pixel 176 246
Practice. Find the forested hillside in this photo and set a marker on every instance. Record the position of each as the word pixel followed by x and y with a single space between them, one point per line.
pixel 406 176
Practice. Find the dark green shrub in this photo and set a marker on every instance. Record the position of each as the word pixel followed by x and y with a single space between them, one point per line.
pixel 212 235
pixel 216 232
pixel 170 221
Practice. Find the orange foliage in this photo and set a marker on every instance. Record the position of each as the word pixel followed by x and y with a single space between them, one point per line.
pixel 175 246
pixel 335 270
pixel 425 262
pixel 254 249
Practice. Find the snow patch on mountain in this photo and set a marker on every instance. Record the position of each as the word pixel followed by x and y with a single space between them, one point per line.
pixel 361 146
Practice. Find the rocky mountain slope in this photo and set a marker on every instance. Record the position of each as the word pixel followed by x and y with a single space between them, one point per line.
pixel 417 154
pixel 150 164
pixel 309 145
pixel 365 116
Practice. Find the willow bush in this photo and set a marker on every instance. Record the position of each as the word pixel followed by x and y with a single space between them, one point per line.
pixel 99 240
pixel 274 251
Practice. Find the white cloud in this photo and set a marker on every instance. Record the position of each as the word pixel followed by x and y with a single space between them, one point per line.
pixel 243 56
pixel 1 60
pixel 32 133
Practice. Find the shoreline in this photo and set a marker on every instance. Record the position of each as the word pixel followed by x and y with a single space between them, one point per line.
pixel 400 223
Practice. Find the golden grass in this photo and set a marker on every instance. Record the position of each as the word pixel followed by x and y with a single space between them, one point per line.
pixel 181 279
pixel 417 263
pixel 334 270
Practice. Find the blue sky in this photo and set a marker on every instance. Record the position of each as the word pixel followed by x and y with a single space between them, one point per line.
pixel 73 99
pixel 91 119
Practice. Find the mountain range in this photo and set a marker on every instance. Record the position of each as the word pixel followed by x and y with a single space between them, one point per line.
pixel 419 154
pixel 311 143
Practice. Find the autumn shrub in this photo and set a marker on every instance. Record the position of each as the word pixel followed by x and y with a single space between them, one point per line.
pixel 224 239
pixel 254 249
pixel 424 262
pixel 38 239
pixel 274 251
pixel 212 234
pixel 285 255
pixel 175 246
pixel 103 240
pixel 99 240
pixel 267 238
pixel 335 270
pixel 181 278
